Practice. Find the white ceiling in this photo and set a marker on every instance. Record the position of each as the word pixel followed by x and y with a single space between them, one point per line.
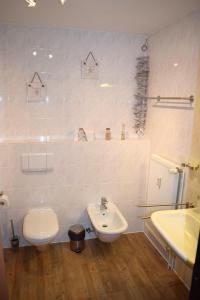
pixel 134 16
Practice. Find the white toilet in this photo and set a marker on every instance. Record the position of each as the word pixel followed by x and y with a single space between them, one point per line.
pixel 40 226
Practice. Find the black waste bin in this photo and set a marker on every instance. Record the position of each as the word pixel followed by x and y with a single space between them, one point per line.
pixel 77 235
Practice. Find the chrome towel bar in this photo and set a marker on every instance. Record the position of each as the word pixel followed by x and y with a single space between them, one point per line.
pixel 159 98
pixel 187 204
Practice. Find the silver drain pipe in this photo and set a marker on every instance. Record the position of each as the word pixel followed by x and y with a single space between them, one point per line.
pixel 180 187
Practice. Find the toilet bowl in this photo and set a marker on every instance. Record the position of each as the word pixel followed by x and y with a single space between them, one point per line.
pixel 40 226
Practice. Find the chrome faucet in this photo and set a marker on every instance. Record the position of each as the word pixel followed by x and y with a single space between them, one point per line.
pixel 104 203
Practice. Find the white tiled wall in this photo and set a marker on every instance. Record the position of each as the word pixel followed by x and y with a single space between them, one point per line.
pixel 72 102
pixel 83 172
pixel 170 129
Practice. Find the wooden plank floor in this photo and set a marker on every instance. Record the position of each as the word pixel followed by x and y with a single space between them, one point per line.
pixel 129 268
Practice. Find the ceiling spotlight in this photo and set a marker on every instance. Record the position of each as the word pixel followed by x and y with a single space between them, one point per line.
pixel 62 2
pixel 31 3
pixel 175 64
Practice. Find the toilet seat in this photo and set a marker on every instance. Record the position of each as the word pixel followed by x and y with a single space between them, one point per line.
pixel 40 226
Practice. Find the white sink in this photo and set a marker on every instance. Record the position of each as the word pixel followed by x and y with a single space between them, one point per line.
pixel 180 229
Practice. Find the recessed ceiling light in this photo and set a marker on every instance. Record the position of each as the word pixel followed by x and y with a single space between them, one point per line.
pixel 62 2
pixel 34 53
pixel 50 56
pixel 175 64
pixel 31 3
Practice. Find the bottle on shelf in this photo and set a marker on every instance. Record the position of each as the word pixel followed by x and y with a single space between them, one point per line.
pixel 108 134
pixel 82 137
pixel 123 132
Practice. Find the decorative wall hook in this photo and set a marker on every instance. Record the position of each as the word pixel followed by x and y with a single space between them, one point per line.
pixel 36 89
pixel 90 67
pixel 90 54
pixel 36 75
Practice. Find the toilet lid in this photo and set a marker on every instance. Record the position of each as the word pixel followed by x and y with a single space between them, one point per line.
pixel 40 224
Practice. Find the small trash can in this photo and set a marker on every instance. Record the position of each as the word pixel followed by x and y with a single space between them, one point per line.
pixel 77 235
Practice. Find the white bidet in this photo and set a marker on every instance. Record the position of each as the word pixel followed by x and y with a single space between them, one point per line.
pixel 108 223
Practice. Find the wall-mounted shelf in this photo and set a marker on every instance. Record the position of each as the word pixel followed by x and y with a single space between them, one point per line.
pixel 173 102
pixel 159 98
pixel 62 139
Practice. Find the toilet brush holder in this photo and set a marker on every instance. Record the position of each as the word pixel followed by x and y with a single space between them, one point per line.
pixel 14 240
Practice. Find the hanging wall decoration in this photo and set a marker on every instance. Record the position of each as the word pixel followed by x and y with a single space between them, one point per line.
pixel 140 106
pixel 90 67
pixel 36 89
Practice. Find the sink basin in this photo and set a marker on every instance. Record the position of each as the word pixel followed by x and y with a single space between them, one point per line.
pixel 180 229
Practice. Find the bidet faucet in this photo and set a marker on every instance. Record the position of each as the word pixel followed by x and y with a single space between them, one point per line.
pixel 104 202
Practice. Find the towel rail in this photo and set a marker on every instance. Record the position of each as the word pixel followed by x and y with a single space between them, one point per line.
pixel 159 98
pixel 187 204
